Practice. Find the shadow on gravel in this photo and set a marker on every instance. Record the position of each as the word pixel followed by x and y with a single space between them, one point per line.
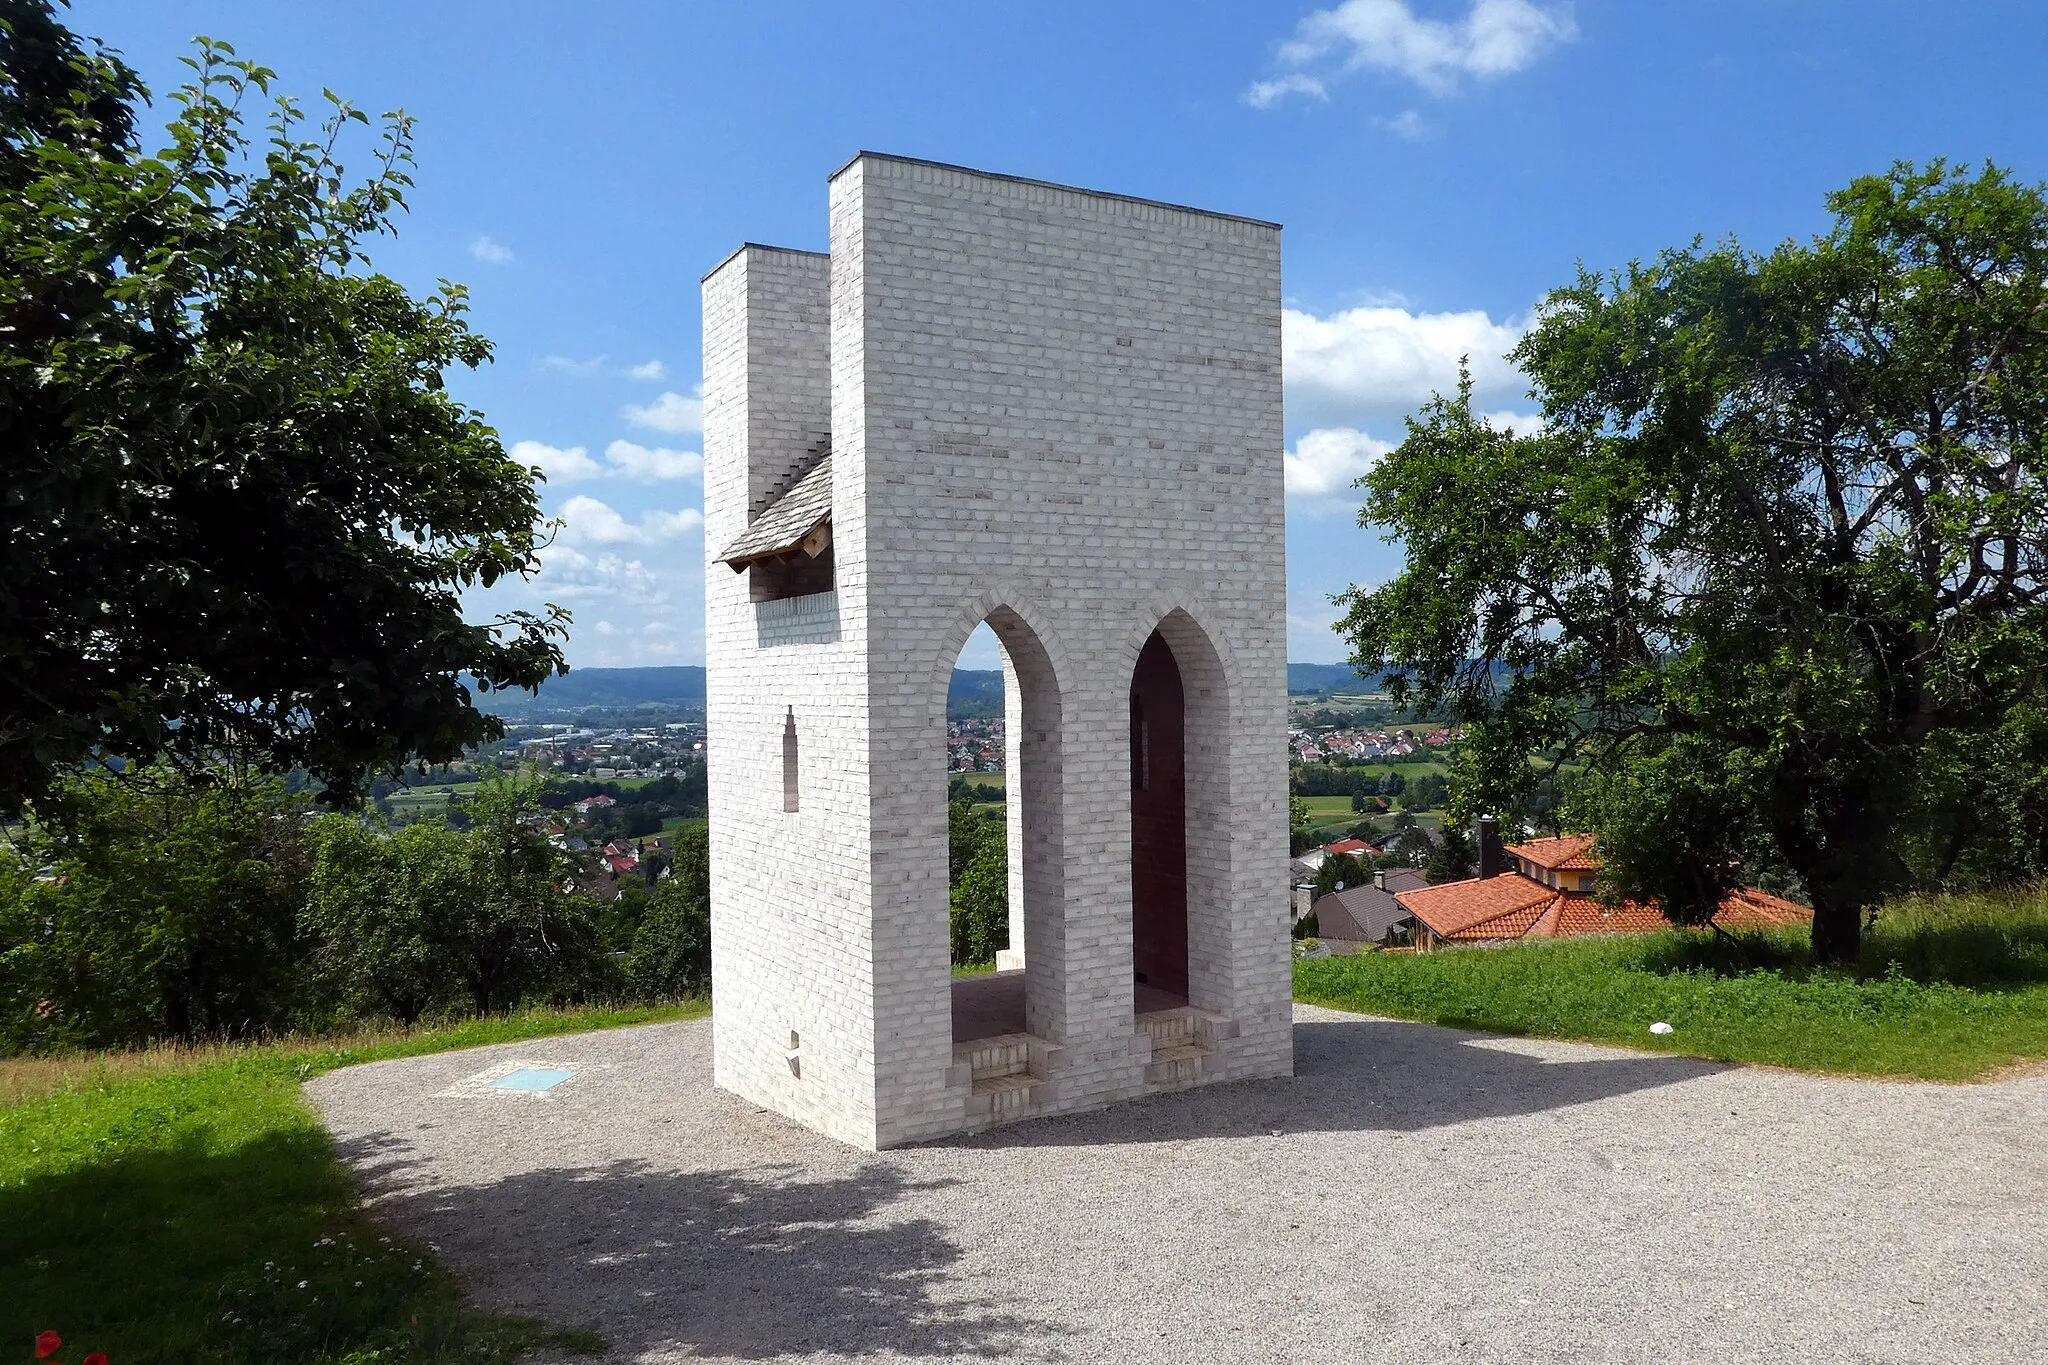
pixel 751 1264
pixel 1360 1076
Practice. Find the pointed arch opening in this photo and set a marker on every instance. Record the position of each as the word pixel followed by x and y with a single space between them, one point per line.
pixel 1159 866
pixel 1183 842
pixel 1005 846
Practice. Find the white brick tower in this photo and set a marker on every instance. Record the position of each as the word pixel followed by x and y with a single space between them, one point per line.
pixel 1057 411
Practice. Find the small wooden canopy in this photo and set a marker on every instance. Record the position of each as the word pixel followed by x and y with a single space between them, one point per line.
pixel 799 520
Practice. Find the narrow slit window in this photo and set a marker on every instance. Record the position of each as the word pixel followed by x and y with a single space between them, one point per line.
pixel 789 760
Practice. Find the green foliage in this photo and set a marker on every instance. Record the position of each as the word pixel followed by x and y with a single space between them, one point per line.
pixel 1945 988
pixel 1789 507
pixel 400 921
pixel 1453 859
pixel 238 508
pixel 374 910
pixel 965 829
pixel 981 898
pixel 1308 926
pixel 169 1216
pixel 516 924
pixel 1338 872
pixel 671 953
pixel 1427 792
pixel 164 908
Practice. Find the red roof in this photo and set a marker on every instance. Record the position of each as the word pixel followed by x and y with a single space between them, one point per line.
pixel 1572 851
pixel 1352 848
pixel 1513 906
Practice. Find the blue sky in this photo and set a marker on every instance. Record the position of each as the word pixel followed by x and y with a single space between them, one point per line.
pixel 1438 164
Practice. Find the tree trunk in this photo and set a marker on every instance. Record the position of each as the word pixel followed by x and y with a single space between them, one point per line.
pixel 1837 931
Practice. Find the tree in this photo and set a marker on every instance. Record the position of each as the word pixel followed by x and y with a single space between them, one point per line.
pixel 1337 872
pixel 671 954
pixel 514 922
pixel 981 899
pixel 965 827
pixel 373 912
pixel 165 908
pixel 1452 858
pixel 1785 530
pixel 238 506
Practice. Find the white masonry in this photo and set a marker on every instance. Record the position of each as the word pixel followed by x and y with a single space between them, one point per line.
pixel 1056 411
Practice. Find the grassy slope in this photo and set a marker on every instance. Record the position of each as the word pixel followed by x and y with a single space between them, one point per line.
pixel 1948 989
pixel 167 1208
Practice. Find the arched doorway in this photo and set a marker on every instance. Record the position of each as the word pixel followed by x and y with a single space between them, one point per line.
pixel 1007 899
pixel 1159 855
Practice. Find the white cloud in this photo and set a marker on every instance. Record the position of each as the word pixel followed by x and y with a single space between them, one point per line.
pixel 1372 366
pixel 587 521
pixel 561 465
pixel 671 412
pixel 668 525
pixel 652 369
pixel 575 369
pixel 1407 125
pixel 647 466
pixel 490 252
pixel 1266 94
pixel 1323 466
pixel 1355 375
pixel 603 628
pixel 1495 38
pixel 1310 637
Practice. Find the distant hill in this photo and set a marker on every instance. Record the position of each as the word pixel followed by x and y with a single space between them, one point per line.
pixel 975 693
pixel 1305 679
pixel 609 687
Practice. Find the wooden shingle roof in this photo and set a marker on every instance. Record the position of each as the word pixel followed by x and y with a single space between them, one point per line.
pixel 799 519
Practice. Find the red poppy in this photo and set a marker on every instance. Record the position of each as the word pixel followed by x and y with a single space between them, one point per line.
pixel 96 1358
pixel 48 1344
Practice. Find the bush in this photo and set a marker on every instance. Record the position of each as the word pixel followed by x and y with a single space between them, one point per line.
pixel 671 953
pixel 154 905
pixel 981 899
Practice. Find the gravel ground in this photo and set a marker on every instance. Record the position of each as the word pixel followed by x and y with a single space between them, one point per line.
pixel 1413 1194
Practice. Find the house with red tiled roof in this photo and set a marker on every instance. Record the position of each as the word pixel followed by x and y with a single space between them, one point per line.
pixel 1544 889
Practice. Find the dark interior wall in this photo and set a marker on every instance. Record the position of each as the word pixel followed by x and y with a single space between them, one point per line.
pixel 1159 863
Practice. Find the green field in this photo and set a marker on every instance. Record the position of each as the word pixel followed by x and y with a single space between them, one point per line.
pixel 1948 989
pixel 186 1205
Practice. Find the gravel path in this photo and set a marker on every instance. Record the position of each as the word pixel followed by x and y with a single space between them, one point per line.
pixel 1413 1194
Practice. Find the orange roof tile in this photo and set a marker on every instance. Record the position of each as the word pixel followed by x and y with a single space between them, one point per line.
pixel 1567 852
pixel 1753 909
pixel 1454 907
pixel 1513 906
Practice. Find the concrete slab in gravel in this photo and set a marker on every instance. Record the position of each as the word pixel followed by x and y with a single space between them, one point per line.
pixel 1412 1194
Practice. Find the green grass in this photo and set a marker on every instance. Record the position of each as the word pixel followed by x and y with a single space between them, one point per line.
pixel 169 1206
pixel 1948 988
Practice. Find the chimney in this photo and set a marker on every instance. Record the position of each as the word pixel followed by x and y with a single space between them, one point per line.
pixel 1490 855
pixel 1379 878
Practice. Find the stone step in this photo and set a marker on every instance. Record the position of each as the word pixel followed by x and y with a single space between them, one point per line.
pixel 1176 1064
pixel 1001 1097
pixel 1006 1054
pixel 1167 1027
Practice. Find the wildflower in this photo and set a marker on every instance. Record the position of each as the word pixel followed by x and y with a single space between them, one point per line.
pixel 47 1345
pixel 304 1283
pixel 96 1358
